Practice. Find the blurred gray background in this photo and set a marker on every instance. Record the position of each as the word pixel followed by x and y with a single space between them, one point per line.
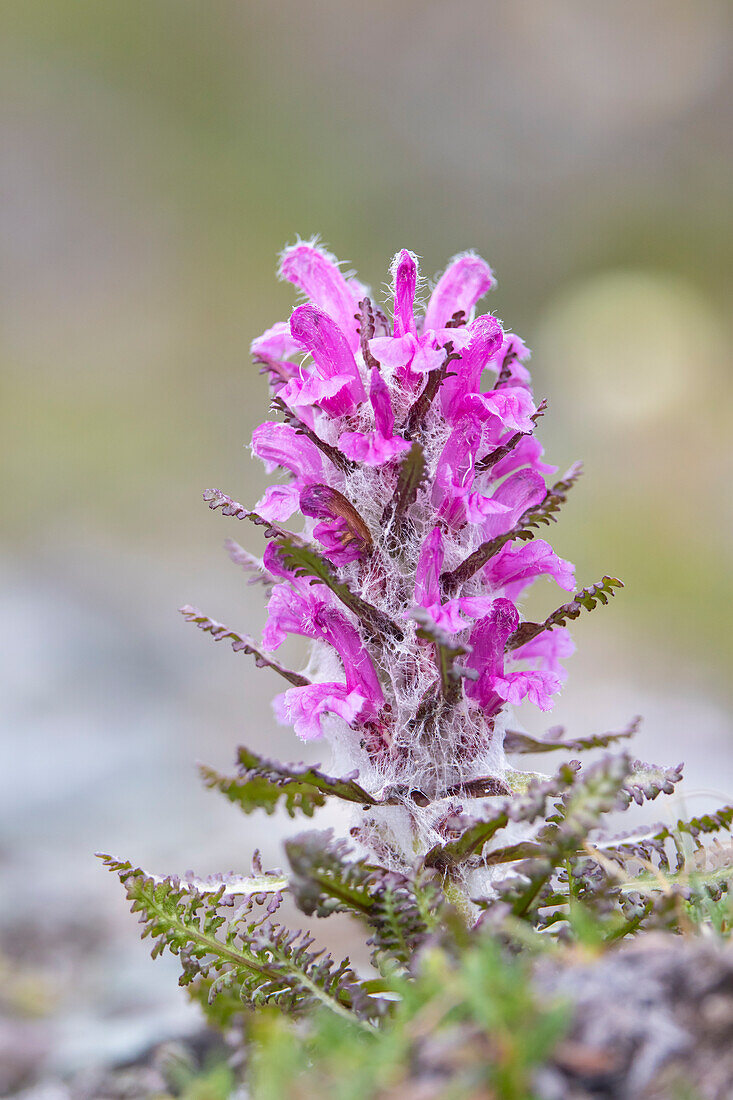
pixel 156 155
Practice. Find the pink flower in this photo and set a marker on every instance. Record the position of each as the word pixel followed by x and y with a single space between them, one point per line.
pixel 549 649
pixel 485 340
pixel 488 640
pixel 450 615
pixel 379 446
pixel 317 274
pixel 408 353
pixel 536 685
pixel 344 535
pixel 466 279
pixel 453 491
pixel 521 491
pixel 280 445
pixel 336 384
pixel 303 708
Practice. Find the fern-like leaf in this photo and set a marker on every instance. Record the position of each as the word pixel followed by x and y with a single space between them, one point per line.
pixel 528 807
pixel 648 781
pixel 229 507
pixel 240 643
pixel 224 887
pixel 399 910
pixel 595 793
pixel 249 563
pixel 323 881
pixel 248 954
pixel 262 784
pixel 586 599
pixel 516 742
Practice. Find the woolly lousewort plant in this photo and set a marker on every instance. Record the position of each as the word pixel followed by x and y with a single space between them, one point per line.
pixel 400 542
pixel 417 484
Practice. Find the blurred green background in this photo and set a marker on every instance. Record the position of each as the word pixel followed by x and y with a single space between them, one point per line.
pixel 156 156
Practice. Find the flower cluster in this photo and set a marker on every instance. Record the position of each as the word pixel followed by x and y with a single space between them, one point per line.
pixel 409 450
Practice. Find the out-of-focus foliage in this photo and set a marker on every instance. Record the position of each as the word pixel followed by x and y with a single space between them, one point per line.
pixel 466 1023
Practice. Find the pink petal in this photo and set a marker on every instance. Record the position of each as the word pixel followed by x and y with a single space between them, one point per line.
pixel 279 503
pixel 381 403
pixel 521 564
pixel 300 394
pixel 279 444
pixel 404 273
pixel 275 343
pixel 321 336
pixel 485 336
pixel 361 676
pixel 429 565
pixel 337 547
pixel 393 352
pixel 528 452
pixel 512 405
pixel 466 279
pixel 549 648
pixel 478 507
pixel 535 685
pixel 316 273
pixel 487 640
pixel 519 492
pixel 372 448
pixel 428 355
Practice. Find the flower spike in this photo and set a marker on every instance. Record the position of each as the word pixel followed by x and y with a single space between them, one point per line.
pixel 418 484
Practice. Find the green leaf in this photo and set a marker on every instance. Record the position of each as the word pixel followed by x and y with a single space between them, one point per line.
pixel 323 881
pixel 261 784
pixel 244 952
pixel 526 807
pixel 400 911
pixel 594 793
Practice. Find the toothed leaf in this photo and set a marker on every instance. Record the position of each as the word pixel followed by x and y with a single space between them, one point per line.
pixel 587 599
pixel 240 643
pixel 262 784
pixel 516 742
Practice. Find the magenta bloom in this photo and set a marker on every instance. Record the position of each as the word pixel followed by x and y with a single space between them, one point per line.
pixel 408 448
